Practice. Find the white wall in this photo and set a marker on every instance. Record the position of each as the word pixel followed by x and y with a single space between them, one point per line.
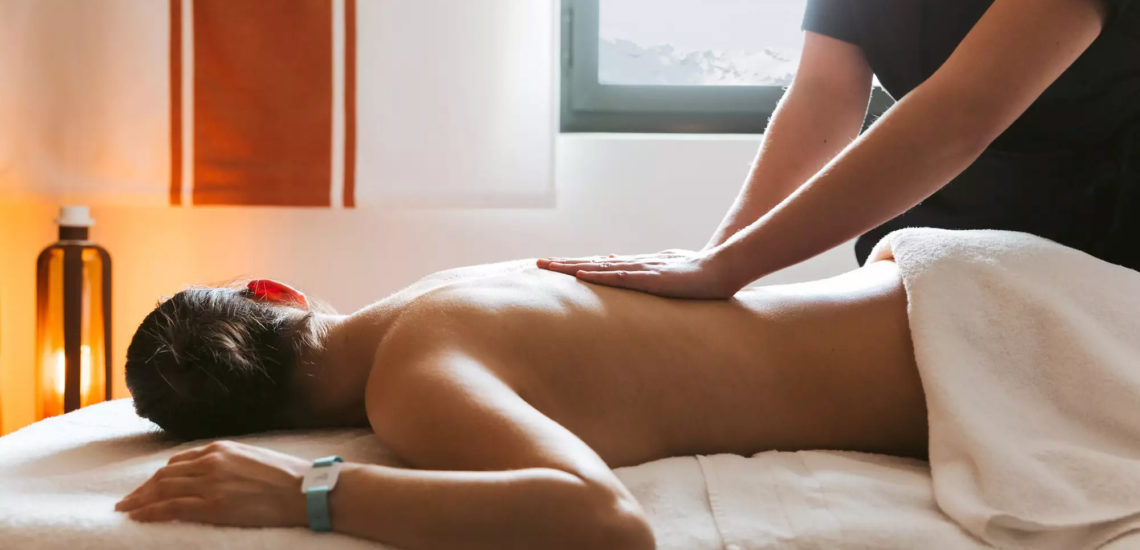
pixel 613 194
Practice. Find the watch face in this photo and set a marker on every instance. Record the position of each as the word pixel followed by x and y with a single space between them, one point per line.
pixel 320 476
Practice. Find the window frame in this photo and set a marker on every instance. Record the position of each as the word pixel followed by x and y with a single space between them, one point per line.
pixel 589 106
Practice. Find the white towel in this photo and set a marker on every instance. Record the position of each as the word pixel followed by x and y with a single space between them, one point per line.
pixel 1029 354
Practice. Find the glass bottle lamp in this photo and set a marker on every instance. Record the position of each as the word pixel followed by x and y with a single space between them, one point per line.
pixel 73 319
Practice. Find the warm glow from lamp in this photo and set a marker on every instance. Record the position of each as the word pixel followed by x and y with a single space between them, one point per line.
pixel 85 373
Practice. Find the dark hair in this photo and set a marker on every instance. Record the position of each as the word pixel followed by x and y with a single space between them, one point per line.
pixel 211 362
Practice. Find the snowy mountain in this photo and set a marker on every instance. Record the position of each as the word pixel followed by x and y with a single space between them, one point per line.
pixel 625 62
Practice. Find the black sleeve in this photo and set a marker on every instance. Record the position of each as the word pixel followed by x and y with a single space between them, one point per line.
pixel 1125 13
pixel 832 18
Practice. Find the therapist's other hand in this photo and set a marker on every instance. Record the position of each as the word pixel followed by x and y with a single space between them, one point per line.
pixel 223 483
pixel 671 273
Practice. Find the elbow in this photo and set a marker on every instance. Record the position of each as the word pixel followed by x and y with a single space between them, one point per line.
pixel 586 513
pixel 620 524
pixel 630 530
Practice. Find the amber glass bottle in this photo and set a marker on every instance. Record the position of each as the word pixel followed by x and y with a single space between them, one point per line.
pixel 73 319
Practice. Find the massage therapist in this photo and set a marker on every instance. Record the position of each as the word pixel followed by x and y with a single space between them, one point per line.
pixel 1013 114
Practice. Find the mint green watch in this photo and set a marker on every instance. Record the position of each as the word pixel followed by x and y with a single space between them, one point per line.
pixel 318 482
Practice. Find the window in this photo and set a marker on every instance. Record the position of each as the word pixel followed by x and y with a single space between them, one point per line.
pixel 704 66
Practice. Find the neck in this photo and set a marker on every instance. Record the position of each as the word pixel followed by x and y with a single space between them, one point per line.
pixel 332 382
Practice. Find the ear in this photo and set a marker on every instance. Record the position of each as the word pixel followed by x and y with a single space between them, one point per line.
pixel 277 292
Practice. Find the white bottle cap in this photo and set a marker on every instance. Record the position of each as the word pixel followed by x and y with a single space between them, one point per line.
pixel 75 216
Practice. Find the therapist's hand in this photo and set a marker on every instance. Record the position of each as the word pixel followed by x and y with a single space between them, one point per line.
pixel 223 483
pixel 671 273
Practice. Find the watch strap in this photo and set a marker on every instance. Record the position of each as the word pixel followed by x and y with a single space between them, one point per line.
pixel 317 498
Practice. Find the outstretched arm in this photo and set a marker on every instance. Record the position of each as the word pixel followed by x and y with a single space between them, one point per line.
pixel 502 474
pixel 499 474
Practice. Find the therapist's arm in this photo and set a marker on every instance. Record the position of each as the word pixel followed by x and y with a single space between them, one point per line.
pixel 819 115
pixel 1016 50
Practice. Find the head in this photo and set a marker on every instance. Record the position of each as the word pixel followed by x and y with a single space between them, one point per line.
pixel 210 362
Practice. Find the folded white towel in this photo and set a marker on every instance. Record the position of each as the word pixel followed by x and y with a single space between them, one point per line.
pixel 1029 354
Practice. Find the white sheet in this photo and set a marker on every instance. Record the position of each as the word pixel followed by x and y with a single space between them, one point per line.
pixel 1029 354
pixel 60 478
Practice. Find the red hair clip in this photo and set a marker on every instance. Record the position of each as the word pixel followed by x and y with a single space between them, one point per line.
pixel 275 292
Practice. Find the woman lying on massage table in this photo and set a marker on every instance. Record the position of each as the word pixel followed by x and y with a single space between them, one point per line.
pixel 513 391
pixel 510 392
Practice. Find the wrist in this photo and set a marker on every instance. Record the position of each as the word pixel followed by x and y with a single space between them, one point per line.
pixel 714 242
pixel 319 483
pixel 296 514
pixel 350 476
pixel 717 239
pixel 732 268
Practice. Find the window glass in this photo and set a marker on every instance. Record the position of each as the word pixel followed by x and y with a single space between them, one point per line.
pixel 699 42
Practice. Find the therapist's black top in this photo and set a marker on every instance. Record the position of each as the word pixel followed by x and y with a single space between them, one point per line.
pixel 1068 169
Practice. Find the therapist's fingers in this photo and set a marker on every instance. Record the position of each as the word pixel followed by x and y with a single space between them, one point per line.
pixel 568 259
pixel 613 266
pixel 559 267
pixel 542 262
pixel 644 281
pixel 568 269
pixel 571 269
pixel 609 257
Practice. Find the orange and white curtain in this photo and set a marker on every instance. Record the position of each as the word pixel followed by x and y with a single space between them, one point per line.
pixel 309 103
pixel 262 102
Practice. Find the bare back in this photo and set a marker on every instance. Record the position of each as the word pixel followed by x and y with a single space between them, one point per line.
pixel 826 364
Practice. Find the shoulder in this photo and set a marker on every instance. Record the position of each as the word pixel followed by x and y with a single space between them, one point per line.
pixel 440 323
pixel 425 325
pixel 474 316
pixel 422 400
